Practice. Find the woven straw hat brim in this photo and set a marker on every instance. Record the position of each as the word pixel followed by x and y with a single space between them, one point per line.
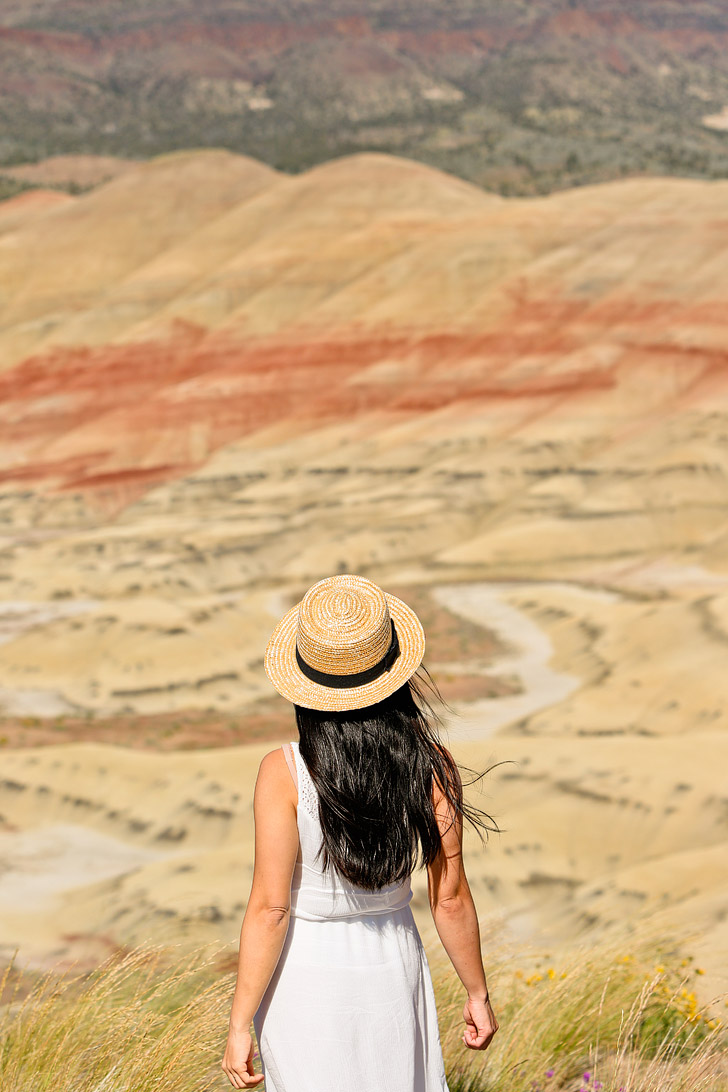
pixel 288 679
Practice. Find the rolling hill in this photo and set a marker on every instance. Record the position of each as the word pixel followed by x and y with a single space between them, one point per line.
pixel 221 383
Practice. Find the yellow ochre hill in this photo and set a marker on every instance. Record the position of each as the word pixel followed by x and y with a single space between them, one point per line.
pixel 221 383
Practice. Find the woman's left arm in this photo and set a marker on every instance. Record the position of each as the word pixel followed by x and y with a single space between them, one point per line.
pixel 267 914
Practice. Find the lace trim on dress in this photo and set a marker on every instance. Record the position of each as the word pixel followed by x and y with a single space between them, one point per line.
pixel 307 795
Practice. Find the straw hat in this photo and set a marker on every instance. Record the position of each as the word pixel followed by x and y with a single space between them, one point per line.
pixel 346 645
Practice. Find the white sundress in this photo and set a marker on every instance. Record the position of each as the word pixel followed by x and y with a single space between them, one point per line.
pixel 350 1006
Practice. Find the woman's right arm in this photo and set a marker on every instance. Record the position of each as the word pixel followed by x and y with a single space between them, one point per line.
pixel 456 921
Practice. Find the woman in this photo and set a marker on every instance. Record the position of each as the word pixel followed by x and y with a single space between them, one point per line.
pixel 331 970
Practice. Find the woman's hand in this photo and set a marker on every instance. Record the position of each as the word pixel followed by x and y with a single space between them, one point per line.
pixel 480 1023
pixel 238 1060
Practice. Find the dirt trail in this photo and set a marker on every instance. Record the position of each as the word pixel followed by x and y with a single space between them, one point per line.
pixel 487 605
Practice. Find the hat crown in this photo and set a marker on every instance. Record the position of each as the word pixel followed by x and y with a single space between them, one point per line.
pixel 344 625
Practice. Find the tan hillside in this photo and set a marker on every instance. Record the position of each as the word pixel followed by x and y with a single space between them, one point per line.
pixel 223 383
pixel 18 210
pixel 71 170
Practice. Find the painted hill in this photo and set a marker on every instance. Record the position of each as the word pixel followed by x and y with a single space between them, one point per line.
pixel 222 383
pixel 519 98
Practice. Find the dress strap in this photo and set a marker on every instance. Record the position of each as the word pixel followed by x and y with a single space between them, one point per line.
pixel 287 749
pixel 307 795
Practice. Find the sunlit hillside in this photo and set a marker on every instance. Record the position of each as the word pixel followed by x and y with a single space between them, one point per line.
pixel 221 383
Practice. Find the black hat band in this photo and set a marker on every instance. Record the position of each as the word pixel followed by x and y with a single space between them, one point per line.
pixel 359 678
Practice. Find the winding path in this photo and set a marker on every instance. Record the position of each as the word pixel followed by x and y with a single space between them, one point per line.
pixel 487 605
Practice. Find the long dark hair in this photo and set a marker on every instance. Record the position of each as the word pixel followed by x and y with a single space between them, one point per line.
pixel 373 771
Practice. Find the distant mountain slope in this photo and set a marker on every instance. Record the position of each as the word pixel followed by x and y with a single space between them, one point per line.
pixel 368 362
pixel 201 296
pixel 519 98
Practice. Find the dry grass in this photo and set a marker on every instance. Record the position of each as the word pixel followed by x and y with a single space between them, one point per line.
pixel 618 1015
pixel 157 1018
pixel 153 1018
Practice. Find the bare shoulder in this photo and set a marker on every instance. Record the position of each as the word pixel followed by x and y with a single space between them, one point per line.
pixel 274 776
pixel 272 763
